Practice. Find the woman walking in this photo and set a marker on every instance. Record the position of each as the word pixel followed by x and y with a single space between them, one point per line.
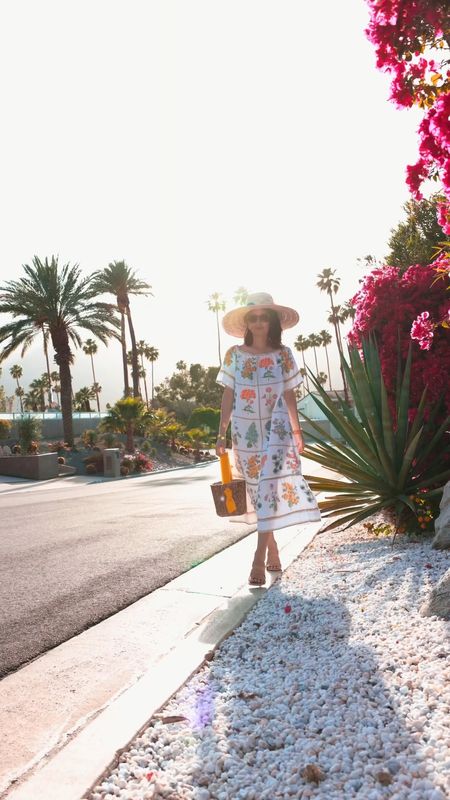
pixel 259 378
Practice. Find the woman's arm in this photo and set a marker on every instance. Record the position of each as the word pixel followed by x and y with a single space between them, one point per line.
pixel 225 416
pixel 291 403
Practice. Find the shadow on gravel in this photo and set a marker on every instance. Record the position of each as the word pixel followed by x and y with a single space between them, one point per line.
pixel 288 708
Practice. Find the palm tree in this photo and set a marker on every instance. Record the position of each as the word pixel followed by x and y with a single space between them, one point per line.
pixel 152 355
pixel 348 311
pixel 90 348
pixel 215 304
pixel 241 296
pixel 315 341
pixel 16 371
pixel 38 387
pixel 96 389
pixel 83 398
pixel 118 279
pixel 142 348
pixel 61 299
pixel 326 340
pixel 54 377
pixel 45 335
pixel 20 391
pixel 302 344
pixel 329 283
pixel 125 416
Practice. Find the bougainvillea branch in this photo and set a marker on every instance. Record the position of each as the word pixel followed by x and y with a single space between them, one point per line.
pixel 411 39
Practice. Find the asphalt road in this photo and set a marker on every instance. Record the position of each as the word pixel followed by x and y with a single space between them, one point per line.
pixel 75 551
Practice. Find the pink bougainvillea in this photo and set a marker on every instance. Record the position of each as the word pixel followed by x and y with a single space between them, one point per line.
pixel 411 44
pixel 389 304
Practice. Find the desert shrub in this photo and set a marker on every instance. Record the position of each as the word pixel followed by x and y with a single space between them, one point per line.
pixel 5 429
pixel 29 430
pixel 57 447
pixel 206 418
pixel 124 470
pixel 89 437
pixel 109 439
pixel 96 458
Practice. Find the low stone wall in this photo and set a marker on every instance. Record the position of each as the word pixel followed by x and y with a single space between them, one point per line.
pixel 37 468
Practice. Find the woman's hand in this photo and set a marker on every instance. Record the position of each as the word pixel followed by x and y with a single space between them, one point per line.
pixel 299 441
pixel 220 446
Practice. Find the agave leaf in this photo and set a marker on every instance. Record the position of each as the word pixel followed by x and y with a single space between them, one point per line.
pixel 405 499
pixel 343 458
pixel 442 477
pixel 418 419
pixel 432 443
pixel 365 389
pixel 386 422
pixel 408 457
pixel 403 406
pixel 352 436
pixel 372 368
pixel 351 519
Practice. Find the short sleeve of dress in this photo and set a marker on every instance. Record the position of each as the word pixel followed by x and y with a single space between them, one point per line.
pixel 225 376
pixel 291 373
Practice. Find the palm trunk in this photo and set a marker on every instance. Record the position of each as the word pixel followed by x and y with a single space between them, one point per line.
pixel 315 359
pixel 20 397
pixel 123 342
pixel 328 365
pixel 153 385
pixel 130 440
pixel 134 358
pixel 145 380
pixel 95 381
pixel 339 346
pixel 218 337
pixel 306 371
pixel 48 369
pixel 66 401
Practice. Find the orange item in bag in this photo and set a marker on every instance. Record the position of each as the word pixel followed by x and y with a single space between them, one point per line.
pixel 225 468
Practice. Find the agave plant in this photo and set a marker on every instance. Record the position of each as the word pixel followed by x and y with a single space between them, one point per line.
pixel 386 457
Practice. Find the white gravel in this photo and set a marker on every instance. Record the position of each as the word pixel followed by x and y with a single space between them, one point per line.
pixel 333 668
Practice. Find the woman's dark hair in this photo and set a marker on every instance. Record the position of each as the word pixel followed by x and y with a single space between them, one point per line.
pixel 274 335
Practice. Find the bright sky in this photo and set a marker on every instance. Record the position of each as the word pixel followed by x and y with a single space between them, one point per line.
pixel 210 144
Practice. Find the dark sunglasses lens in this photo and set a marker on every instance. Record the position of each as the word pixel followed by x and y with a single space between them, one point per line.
pixel 255 317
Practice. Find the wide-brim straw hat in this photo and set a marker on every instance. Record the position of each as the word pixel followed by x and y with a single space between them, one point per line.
pixel 234 322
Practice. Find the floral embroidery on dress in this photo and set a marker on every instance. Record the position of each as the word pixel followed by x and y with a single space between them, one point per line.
pixel 235 437
pixel 250 396
pixel 290 494
pixel 266 364
pixel 228 358
pixel 251 435
pixel 287 362
pixel 270 398
pixel 271 498
pixel 293 462
pixel 253 466
pixel 279 428
pixel 277 459
pixel 249 368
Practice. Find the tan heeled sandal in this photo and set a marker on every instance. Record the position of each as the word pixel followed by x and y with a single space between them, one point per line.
pixel 273 563
pixel 257 575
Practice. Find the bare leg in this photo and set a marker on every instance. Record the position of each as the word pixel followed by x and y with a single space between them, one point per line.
pixel 273 557
pixel 258 571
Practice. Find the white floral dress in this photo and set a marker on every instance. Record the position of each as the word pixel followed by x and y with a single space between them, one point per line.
pixel 264 449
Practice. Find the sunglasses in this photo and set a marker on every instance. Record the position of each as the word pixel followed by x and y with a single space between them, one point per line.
pixel 255 317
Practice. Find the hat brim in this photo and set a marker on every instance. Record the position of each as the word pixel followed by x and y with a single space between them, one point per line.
pixel 234 322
